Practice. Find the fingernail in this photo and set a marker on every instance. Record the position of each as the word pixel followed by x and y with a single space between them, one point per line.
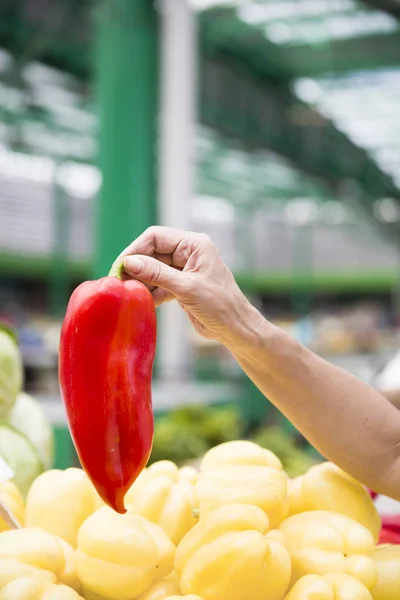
pixel 133 264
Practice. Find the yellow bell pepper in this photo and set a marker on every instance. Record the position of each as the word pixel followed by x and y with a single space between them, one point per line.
pixel 60 501
pixel 34 547
pixel 326 487
pixel 12 499
pixel 39 554
pixel 158 591
pixel 189 474
pixel 387 560
pixel 161 590
pixel 68 576
pixel 322 542
pixel 121 556
pixel 329 587
pixel 322 562
pixel 170 505
pixel 328 531
pixel 239 453
pixel 189 597
pixel 29 588
pixel 227 555
pixel 11 569
pixel 165 468
pixel 161 468
pixel 259 486
pixel 91 596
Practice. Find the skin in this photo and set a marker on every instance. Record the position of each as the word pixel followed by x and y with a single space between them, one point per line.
pixel 350 423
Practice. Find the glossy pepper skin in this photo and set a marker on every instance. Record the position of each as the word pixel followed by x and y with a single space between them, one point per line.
pixel 106 357
pixel 326 487
pixel 324 542
pixel 387 560
pixel 119 557
pixel 329 587
pixel 227 556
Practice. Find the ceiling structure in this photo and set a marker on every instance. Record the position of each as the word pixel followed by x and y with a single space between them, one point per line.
pixel 299 52
pixel 314 81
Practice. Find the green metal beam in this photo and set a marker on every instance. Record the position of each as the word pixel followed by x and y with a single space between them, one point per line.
pixel 390 6
pixel 37 267
pixel 322 282
pixel 222 27
pixel 127 76
pixel 58 43
pixel 344 56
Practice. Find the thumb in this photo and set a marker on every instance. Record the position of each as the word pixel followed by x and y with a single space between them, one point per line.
pixel 153 272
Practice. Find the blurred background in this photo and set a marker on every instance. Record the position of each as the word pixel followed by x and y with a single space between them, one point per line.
pixel 272 125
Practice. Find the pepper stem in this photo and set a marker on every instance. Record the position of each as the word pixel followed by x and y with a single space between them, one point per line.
pixel 117 269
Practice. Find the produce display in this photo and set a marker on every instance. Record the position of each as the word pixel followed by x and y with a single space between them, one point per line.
pixel 236 528
pixel 26 437
pixel 107 349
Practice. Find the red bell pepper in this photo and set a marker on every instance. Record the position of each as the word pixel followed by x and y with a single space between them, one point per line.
pixel 106 357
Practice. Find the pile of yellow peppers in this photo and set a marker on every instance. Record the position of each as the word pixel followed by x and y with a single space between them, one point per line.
pixel 237 529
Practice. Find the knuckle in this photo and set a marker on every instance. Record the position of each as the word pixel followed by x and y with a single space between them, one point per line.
pixel 152 231
pixel 155 272
pixel 185 249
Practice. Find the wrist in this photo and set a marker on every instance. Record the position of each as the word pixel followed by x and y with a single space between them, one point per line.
pixel 248 331
pixel 259 341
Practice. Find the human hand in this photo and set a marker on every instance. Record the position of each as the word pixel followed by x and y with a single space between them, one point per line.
pixel 187 266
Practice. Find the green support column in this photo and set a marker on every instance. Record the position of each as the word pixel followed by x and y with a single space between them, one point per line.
pixel 127 86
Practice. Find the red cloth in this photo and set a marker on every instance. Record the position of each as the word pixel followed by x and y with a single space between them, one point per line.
pixel 389 535
pixel 390 532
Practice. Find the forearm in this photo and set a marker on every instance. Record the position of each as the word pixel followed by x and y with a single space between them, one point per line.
pixel 350 423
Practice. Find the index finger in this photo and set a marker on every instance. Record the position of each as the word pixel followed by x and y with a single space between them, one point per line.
pixel 167 241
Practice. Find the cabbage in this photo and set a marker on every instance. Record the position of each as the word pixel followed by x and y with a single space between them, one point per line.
pixel 11 373
pixel 28 417
pixel 21 456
